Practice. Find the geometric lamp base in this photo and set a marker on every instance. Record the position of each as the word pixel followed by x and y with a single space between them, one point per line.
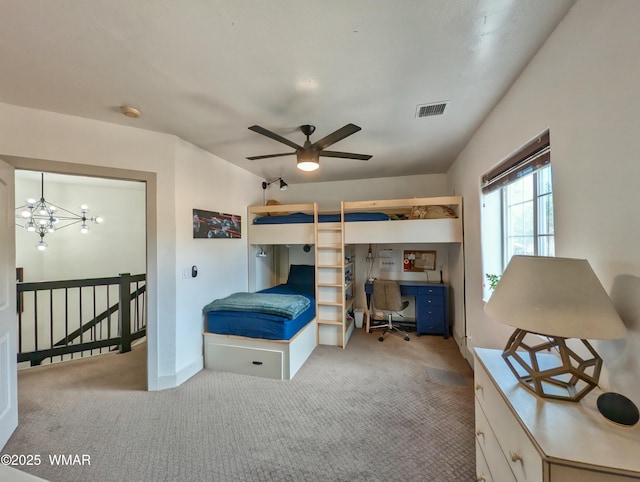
pixel 551 369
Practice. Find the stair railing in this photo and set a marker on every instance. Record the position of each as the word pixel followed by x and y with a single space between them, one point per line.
pixel 79 318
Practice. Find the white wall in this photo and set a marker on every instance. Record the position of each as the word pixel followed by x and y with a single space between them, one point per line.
pixel 53 141
pixel 115 246
pixel 329 194
pixel 207 182
pixel 583 86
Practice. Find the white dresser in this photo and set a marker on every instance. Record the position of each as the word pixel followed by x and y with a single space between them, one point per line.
pixel 522 437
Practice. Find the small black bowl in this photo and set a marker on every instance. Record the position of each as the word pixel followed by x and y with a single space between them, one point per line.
pixel 618 408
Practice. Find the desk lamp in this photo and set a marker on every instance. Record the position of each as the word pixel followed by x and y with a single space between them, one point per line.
pixel 549 300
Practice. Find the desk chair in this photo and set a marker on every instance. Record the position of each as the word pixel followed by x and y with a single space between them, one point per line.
pixel 386 297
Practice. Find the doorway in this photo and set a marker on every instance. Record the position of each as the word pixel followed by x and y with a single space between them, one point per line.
pixel 108 173
pixel 87 229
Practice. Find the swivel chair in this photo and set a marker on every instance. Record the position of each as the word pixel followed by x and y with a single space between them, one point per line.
pixel 386 297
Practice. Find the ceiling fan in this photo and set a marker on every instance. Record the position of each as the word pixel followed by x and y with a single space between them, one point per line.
pixel 309 153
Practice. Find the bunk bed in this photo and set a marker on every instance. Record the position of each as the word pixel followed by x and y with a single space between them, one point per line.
pixel 414 220
pixel 269 334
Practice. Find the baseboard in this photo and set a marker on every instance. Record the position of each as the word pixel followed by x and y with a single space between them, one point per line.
pixel 190 370
pixel 465 350
pixel 173 381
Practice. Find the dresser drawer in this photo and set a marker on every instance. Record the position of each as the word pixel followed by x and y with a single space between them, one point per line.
pixel 487 442
pixel 432 300
pixel 435 314
pixel 482 468
pixel 438 290
pixel 430 315
pixel 431 323
pixel 521 455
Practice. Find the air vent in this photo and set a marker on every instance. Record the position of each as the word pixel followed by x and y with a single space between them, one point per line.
pixel 428 110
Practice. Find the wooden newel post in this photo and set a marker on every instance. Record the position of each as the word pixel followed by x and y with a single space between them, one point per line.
pixel 124 310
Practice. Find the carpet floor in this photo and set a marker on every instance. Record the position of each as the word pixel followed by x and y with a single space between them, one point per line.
pixel 391 411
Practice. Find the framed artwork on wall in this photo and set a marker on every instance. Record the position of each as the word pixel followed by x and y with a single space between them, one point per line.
pixel 210 224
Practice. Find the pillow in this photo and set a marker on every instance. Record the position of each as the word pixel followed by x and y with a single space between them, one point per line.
pixel 302 278
pixel 432 212
pixel 275 202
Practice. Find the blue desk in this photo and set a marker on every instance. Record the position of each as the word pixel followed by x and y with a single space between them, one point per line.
pixel 432 317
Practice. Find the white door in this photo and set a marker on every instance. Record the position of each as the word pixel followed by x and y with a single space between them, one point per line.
pixel 8 319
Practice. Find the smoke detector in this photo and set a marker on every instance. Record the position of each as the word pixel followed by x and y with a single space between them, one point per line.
pixel 130 111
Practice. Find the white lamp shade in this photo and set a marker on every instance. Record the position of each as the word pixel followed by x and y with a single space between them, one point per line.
pixel 554 296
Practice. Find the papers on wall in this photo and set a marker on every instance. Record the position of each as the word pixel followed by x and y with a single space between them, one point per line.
pixel 389 260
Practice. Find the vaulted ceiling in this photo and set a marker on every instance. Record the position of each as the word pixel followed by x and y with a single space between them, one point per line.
pixel 206 70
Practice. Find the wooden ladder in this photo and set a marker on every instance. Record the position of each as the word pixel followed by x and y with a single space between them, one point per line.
pixel 331 286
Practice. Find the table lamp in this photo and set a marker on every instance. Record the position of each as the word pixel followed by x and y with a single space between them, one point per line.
pixel 548 300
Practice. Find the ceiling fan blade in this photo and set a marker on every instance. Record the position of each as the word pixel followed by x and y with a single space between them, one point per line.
pixel 336 136
pixel 346 155
pixel 267 156
pixel 274 136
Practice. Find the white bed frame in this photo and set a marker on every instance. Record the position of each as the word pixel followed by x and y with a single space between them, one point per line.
pixel 279 359
pixel 445 230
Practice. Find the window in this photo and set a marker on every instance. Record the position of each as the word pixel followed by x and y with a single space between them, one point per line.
pixel 517 214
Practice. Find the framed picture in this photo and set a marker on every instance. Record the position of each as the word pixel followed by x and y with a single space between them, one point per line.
pixel 419 261
pixel 209 224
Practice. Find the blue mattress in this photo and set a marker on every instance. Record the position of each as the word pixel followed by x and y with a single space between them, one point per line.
pixel 262 325
pixel 300 218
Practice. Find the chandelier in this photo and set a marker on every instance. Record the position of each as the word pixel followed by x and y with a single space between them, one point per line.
pixel 43 217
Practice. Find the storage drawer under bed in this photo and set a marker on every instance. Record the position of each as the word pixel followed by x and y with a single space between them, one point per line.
pixel 243 360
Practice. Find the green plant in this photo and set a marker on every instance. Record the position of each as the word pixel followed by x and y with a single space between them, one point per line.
pixel 493 280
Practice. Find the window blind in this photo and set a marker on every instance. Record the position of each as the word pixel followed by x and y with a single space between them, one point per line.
pixel 532 156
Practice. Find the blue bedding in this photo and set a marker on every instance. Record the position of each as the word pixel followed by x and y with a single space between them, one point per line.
pixel 287 305
pixel 300 218
pixel 262 325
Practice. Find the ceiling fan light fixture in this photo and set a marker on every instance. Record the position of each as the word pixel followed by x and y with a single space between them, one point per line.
pixel 308 155
pixel 308 160
pixel 308 166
